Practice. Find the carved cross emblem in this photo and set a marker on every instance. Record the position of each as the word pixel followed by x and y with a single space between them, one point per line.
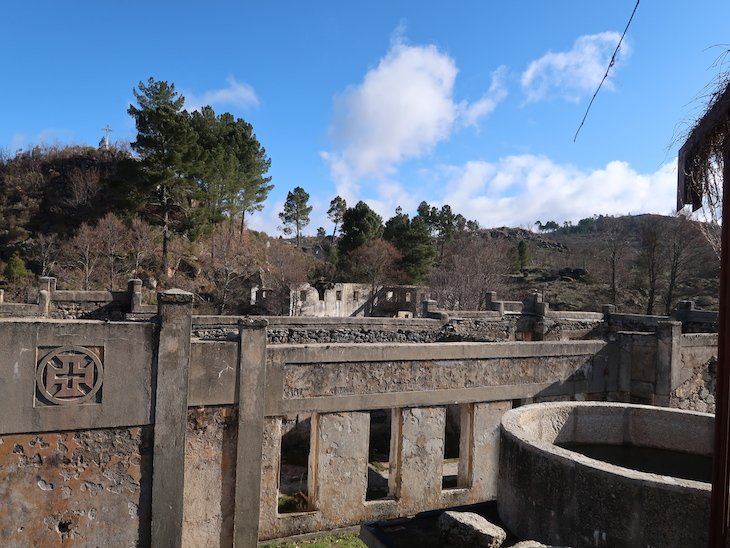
pixel 69 375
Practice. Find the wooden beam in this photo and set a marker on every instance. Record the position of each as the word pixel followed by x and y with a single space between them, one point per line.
pixel 719 510
pixel 714 117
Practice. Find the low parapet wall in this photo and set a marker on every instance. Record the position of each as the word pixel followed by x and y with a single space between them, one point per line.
pixel 66 304
pixel 307 330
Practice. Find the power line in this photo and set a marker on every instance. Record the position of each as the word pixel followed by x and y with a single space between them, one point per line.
pixel 610 65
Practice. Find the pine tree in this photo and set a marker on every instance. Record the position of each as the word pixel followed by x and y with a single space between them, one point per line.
pixel 166 145
pixel 336 212
pixel 296 212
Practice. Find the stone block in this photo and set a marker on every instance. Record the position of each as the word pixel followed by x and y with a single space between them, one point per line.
pixel 421 457
pixel 459 529
pixel 342 465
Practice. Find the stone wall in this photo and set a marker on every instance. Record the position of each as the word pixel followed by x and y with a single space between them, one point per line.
pixel 698 373
pixel 289 330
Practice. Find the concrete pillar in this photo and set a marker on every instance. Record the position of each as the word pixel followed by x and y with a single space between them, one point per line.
pixel 2 296
pixel 134 288
pixel 47 283
pixel 421 457
pixel 44 303
pixel 625 343
pixel 251 400
pixel 342 463
pixel 270 458
pixel 427 308
pixel 487 418
pixel 682 311
pixel 668 360
pixel 175 309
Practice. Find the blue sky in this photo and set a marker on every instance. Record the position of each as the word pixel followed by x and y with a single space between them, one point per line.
pixel 474 104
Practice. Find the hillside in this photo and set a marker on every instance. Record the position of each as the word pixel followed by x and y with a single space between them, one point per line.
pixel 573 268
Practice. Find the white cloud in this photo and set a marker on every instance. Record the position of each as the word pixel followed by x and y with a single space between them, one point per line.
pixel 236 94
pixel 402 109
pixel 488 102
pixel 574 73
pixel 519 190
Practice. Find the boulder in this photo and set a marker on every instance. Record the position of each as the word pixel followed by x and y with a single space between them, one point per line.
pixel 469 529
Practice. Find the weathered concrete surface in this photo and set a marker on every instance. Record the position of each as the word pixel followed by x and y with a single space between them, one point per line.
pixel 557 496
pixel 81 488
pixel 459 529
pixel 338 379
pixel 421 458
pixel 342 460
pixel 213 373
pixel 171 406
pixel 210 477
pixel 485 463
pixel 249 446
pixel 126 391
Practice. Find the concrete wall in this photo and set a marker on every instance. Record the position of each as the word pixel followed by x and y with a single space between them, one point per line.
pixel 204 399
pixel 563 498
pixel 341 300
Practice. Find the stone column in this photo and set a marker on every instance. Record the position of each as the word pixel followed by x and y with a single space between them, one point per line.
pixel 668 360
pixel 175 308
pixel 134 288
pixel 487 418
pixel 342 463
pixel 47 283
pixel 421 458
pixel 46 287
pixel 44 303
pixel 251 390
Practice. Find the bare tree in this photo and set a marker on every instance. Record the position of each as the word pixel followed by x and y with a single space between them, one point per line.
pixel 232 259
pixel 286 267
pixel 47 248
pixel 113 239
pixel 473 264
pixel 81 254
pixel 142 244
pixel 651 258
pixel 84 188
pixel 375 262
pixel 682 246
pixel 613 253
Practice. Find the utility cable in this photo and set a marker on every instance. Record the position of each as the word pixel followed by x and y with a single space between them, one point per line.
pixel 610 65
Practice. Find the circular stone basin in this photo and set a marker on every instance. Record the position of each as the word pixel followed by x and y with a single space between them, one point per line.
pixel 564 497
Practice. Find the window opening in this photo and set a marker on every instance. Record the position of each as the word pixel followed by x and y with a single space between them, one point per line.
pixel 380 452
pixel 296 484
pixel 457 447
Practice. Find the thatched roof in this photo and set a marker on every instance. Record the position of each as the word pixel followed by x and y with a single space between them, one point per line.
pixel 699 170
